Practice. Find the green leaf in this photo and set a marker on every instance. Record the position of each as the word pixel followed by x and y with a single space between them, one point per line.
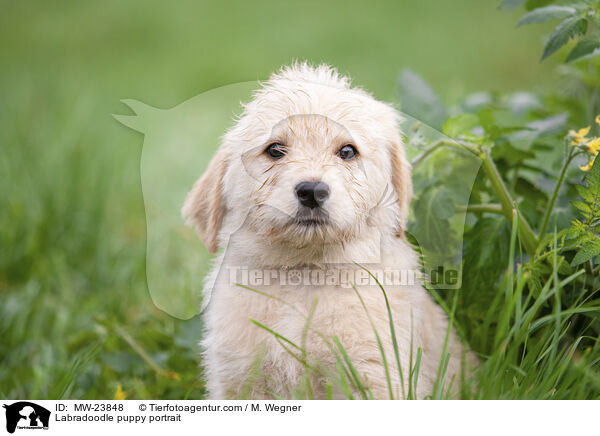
pixel 512 155
pixel 534 4
pixel 583 239
pixel 587 252
pixel 547 13
pixel 487 118
pixel 529 191
pixel 576 229
pixel 548 126
pixel 581 206
pixel 534 281
pixel 523 102
pixel 477 101
pixel 444 204
pixel 419 100
pixel 509 5
pixel 431 228
pixel 593 179
pixel 540 128
pixel 564 31
pixel 563 266
pixel 485 255
pixel 584 193
pixel 583 48
pixel 453 127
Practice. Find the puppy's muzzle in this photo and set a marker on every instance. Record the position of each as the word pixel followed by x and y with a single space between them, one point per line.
pixel 312 194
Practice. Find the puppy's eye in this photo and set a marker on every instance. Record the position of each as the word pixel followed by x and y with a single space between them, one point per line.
pixel 347 152
pixel 276 150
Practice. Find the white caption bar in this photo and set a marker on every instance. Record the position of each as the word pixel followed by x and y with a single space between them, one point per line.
pixel 74 417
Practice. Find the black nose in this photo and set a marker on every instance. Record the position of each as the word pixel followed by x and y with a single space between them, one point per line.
pixel 312 194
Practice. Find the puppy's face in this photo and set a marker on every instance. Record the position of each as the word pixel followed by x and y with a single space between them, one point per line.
pixel 308 163
pixel 313 181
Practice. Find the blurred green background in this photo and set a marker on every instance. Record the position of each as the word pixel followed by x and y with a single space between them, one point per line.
pixel 76 319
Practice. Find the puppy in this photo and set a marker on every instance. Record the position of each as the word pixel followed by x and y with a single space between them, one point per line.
pixel 312 181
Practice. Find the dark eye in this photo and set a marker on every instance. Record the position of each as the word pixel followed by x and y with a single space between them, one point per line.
pixel 347 152
pixel 276 150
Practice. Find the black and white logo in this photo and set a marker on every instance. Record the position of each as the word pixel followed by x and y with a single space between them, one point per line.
pixel 26 415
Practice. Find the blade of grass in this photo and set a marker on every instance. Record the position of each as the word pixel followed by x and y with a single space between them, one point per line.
pixel 379 344
pixel 392 329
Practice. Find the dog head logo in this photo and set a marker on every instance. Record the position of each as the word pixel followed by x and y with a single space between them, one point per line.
pixel 293 170
pixel 26 415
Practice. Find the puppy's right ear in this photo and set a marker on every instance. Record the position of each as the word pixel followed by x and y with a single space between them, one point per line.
pixel 204 207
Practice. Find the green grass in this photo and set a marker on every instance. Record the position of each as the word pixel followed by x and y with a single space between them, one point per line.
pixel 76 318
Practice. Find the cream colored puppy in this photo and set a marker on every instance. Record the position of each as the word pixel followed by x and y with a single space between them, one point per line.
pixel 311 179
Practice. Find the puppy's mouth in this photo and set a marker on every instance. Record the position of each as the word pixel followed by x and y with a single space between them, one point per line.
pixel 311 218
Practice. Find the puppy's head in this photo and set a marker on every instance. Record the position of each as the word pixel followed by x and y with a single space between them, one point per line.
pixel 310 161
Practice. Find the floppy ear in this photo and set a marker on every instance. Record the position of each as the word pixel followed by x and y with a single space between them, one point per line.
pixel 204 206
pixel 402 183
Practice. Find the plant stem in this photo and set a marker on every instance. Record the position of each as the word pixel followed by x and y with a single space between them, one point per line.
pixel 526 234
pixel 484 207
pixel 507 204
pixel 433 147
pixel 444 143
pixel 561 178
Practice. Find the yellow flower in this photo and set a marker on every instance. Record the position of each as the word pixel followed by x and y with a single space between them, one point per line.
pixel 172 375
pixel 120 395
pixel 589 165
pixel 597 119
pixel 579 137
pixel 593 146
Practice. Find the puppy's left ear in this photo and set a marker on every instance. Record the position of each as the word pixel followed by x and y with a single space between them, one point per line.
pixel 204 207
pixel 402 183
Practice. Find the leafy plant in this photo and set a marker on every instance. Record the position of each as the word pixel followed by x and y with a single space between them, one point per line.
pixel 529 296
pixel 580 21
pixel 583 236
